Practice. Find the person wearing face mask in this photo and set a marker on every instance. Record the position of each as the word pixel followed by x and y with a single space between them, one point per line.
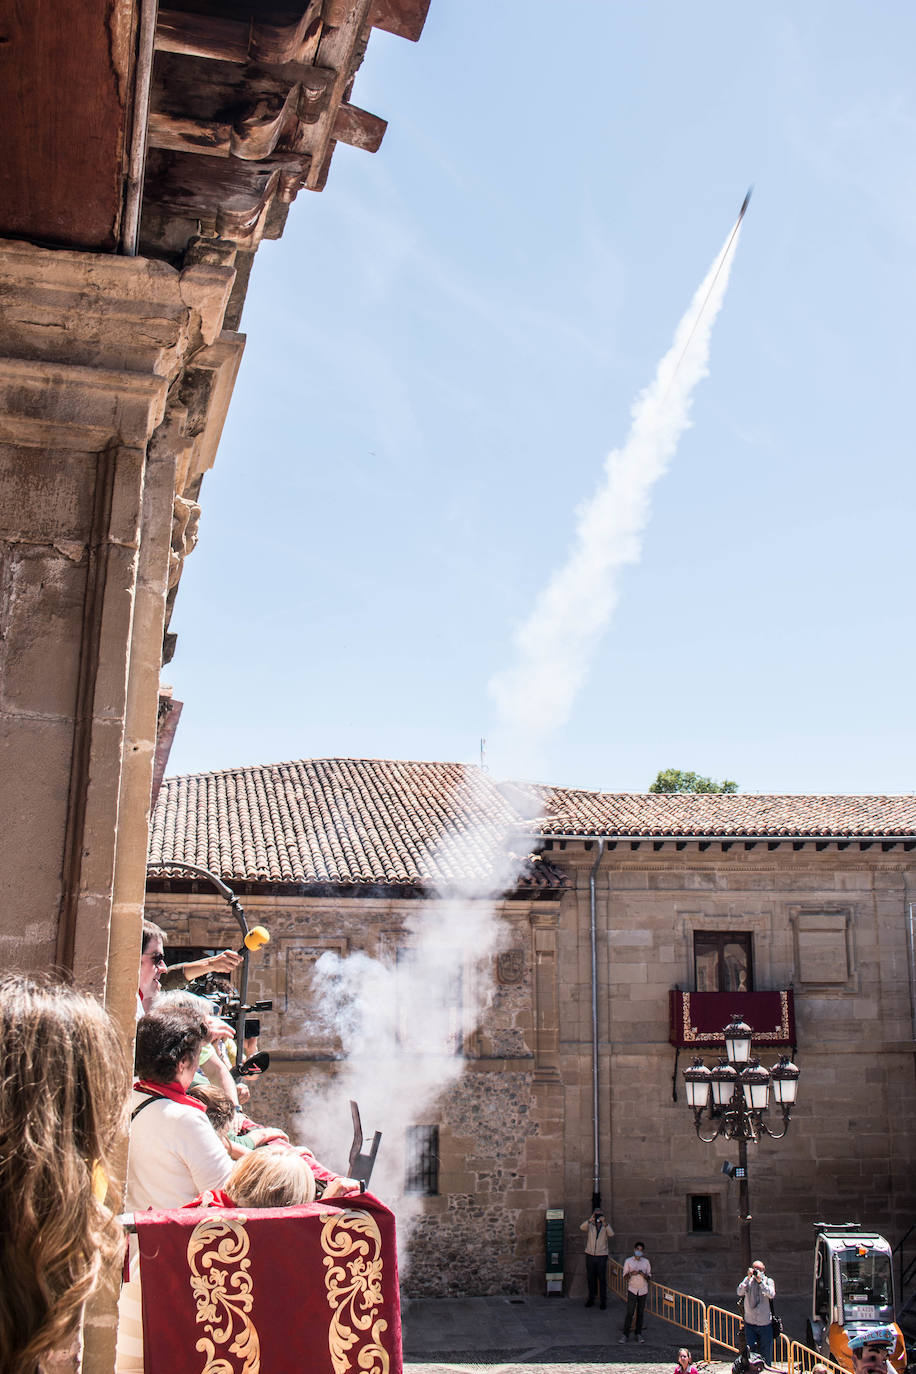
pixel 637 1272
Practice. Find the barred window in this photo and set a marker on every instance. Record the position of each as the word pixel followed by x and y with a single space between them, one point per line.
pixel 422 1161
pixel 700 1212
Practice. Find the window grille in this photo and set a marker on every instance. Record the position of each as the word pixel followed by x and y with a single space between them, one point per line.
pixel 700 1212
pixel 422 1161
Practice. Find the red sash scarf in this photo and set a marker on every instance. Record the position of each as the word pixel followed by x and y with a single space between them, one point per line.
pixel 173 1091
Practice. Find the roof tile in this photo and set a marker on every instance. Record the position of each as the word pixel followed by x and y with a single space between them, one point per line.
pixel 382 821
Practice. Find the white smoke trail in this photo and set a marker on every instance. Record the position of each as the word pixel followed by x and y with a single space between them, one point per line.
pixel 401 1020
pixel 555 644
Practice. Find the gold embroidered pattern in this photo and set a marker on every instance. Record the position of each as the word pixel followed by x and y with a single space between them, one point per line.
pixel 352 1245
pixel 223 1289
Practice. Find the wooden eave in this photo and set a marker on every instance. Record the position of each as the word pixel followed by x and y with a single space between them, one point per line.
pixel 247 101
pixel 66 79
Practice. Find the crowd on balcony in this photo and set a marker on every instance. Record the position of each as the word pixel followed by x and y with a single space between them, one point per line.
pixel 65 1100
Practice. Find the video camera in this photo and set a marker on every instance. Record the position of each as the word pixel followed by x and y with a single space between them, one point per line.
pixel 227 1003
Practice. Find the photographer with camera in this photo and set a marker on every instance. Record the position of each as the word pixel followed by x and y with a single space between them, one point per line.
pixel 758 1291
pixel 596 1256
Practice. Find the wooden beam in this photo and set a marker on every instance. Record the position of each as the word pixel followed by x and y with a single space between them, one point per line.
pixel 202 35
pixel 241 40
pixel 405 18
pixel 359 128
pixel 189 135
pixel 66 77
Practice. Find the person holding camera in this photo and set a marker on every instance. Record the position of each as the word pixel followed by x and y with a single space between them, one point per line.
pixel 758 1291
pixel 637 1271
pixel 596 1256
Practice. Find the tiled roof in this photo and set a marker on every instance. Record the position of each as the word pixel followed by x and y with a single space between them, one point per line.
pixel 684 814
pixel 341 821
pixel 427 825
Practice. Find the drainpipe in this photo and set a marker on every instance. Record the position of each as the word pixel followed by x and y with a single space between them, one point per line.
pixel 910 916
pixel 596 1179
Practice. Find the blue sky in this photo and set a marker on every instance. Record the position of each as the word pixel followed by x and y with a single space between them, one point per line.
pixel 447 341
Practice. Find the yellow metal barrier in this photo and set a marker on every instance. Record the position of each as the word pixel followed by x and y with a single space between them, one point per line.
pixel 716 1325
pixel 723 1328
pixel 680 1309
pixel 802 1359
pixel 615 1281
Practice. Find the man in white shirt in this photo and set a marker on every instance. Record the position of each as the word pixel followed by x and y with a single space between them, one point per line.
pixel 758 1292
pixel 637 1272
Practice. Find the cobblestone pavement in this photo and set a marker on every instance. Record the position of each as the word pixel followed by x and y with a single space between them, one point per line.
pixel 533 1336
pixel 541 1336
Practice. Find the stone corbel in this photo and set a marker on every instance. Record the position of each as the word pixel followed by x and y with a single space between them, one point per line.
pixel 185 521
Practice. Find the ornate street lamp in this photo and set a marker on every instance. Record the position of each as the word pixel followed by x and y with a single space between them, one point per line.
pixel 738 1036
pixel 734 1096
pixel 696 1079
pixel 785 1085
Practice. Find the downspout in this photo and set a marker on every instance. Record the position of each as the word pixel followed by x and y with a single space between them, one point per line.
pixel 909 912
pixel 596 1178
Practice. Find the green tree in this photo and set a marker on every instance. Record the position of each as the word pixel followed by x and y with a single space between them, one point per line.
pixel 675 780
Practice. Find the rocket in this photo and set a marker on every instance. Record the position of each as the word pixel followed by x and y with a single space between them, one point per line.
pixel 745 203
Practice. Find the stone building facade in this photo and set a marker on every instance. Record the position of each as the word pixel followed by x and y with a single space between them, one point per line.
pixel 816 894
pixel 147 152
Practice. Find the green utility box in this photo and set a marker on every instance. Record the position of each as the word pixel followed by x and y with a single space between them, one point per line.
pixel 554 1275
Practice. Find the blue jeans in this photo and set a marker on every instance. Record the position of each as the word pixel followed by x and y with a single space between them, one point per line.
pixel 760 1338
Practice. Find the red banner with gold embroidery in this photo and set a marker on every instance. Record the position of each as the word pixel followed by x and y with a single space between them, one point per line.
pixel 698 1018
pixel 271 1291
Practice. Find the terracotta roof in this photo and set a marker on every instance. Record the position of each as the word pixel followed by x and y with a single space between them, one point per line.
pixel 425 825
pixel 683 814
pixel 341 821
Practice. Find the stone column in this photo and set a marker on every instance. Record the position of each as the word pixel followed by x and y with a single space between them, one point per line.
pixel 114 381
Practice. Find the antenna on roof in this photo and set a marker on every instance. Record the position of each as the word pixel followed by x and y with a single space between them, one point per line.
pixel 483 756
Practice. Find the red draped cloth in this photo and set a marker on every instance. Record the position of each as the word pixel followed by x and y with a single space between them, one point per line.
pixel 293 1290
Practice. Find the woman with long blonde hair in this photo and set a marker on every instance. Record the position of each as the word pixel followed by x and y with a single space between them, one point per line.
pixel 64 1083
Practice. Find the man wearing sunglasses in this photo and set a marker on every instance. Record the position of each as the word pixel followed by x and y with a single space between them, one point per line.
pixel 153 966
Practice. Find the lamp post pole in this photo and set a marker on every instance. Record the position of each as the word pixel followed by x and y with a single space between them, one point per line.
pixel 735 1095
pixel 744 1206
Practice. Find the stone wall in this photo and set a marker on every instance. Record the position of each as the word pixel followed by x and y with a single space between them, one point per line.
pixel 498 1118
pixel 829 924
pixel 516 1128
